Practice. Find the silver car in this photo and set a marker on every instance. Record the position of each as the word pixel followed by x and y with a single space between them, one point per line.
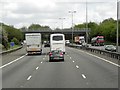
pixel 110 48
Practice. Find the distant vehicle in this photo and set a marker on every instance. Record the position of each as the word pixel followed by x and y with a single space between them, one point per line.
pixel 47 44
pixel 33 42
pixel 85 45
pixel 24 41
pixel 44 42
pixel 110 48
pixel 99 41
pixel 57 42
pixel 67 42
pixel 56 55
pixel 79 39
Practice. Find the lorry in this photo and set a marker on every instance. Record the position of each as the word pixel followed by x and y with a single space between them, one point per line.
pixel 33 42
pixel 98 40
pixel 79 40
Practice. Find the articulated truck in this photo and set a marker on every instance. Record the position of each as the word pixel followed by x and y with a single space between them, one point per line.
pixel 33 42
pixel 79 40
pixel 98 40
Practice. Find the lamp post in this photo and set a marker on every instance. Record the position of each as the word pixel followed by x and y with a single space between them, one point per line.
pixel 117 35
pixel 62 23
pixel 86 26
pixel 72 12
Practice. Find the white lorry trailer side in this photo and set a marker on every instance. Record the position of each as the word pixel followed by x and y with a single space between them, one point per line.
pixel 33 42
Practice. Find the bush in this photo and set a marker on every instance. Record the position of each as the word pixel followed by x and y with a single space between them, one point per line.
pixel 15 41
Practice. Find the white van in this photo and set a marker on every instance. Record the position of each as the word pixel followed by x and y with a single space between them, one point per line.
pixel 33 42
pixel 57 42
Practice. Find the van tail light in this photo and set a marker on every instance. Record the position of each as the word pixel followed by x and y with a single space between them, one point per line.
pixel 50 54
pixel 61 54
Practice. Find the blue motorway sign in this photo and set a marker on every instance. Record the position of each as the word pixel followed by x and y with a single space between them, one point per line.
pixel 12 44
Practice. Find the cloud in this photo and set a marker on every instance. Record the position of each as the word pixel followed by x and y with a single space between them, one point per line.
pixel 48 12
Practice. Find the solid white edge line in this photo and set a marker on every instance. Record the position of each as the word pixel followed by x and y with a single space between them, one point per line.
pixel 83 76
pixel 70 57
pixel 29 78
pixel 101 58
pixel 104 60
pixel 73 61
pixel 41 62
pixel 13 61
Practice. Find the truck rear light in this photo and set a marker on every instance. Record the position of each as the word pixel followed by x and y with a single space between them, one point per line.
pixel 61 54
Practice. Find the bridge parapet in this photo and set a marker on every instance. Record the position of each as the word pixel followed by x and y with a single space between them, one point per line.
pixel 57 31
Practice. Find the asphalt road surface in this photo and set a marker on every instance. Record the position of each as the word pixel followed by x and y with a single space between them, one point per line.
pixel 79 70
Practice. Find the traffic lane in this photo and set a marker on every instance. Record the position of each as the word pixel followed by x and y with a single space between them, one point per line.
pixel 18 72
pixel 100 74
pixel 6 58
pixel 57 75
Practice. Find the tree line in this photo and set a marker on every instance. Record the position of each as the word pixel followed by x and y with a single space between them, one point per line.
pixel 106 28
pixel 9 33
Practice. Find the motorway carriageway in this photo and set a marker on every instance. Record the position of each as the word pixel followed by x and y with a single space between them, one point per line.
pixel 79 70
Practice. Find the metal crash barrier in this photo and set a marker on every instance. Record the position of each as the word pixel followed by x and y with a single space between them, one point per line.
pixel 114 55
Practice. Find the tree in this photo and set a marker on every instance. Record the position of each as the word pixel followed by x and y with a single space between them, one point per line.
pixel 4 38
pixel 108 29
pixel 11 33
pixel 15 41
pixel 38 27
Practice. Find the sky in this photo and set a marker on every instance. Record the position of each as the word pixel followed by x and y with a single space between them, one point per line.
pixel 48 12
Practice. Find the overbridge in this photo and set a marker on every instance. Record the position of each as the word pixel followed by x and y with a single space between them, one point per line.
pixel 64 31
pixel 67 32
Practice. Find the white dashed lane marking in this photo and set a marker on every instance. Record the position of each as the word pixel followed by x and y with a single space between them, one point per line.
pixel 83 76
pixel 29 78
pixel 77 66
pixel 37 68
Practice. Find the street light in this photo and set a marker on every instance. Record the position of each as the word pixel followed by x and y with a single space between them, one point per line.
pixel 62 21
pixel 86 21
pixel 72 12
pixel 117 36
